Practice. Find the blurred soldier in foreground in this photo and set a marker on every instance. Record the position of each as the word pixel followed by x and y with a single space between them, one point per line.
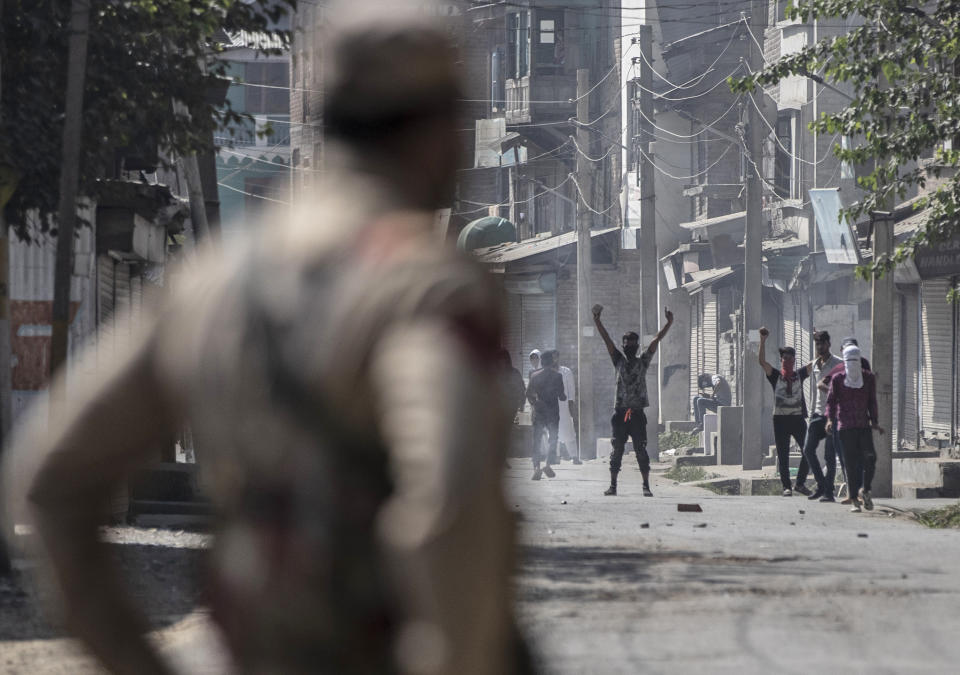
pixel 342 382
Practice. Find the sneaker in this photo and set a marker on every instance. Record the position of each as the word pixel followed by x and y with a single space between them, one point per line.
pixel 827 498
pixel 802 489
pixel 816 495
pixel 847 501
pixel 536 474
pixel 866 499
pixel 787 492
pixel 550 473
pixel 646 491
pixel 611 491
pixel 855 508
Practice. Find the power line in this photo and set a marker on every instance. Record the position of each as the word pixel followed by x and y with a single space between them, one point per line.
pixel 706 71
pixel 587 205
pixel 705 127
pixel 588 157
pixel 250 194
pixel 782 147
pixel 266 161
pixel 688 98
pixel 696 175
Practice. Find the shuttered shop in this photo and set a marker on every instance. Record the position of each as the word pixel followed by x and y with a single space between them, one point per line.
pixel 513 332
pixel 696 341
pixel 538 326
pixel 937 359
pixel 906 367
pixel 709 331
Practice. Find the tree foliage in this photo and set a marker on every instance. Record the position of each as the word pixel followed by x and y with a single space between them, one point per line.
pixel 900 61
pixel 143 55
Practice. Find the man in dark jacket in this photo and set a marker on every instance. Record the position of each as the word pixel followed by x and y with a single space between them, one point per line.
pixel 852 410
pixel 545 393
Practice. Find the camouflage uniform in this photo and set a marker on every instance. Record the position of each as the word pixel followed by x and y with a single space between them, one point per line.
pixel 342 387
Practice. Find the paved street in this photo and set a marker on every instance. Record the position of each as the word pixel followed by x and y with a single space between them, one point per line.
pixel 628 584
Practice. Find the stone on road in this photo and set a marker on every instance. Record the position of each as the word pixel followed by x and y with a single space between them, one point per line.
pixel 628 584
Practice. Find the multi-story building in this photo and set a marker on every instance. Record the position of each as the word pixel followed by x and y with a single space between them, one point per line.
pixel 526 57
pixel 253 164
pixel 809 283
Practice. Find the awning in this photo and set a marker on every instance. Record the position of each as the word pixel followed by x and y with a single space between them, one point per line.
pixel 732 223
pixel 486 232
pixel 708 278
pixel 836 233
pixel 511 252
pixel 691 247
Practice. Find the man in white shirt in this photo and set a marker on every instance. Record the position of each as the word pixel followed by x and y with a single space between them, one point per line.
pixel 568 430
pixel 816 430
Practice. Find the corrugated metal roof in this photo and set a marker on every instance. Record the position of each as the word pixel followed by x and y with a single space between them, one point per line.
pixel 708 278
pixel 729 219
pixel 910 225
pixel 513 251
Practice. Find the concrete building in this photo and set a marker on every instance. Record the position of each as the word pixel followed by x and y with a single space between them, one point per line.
pixel 523 58
pixel 253 164
pixel 699 155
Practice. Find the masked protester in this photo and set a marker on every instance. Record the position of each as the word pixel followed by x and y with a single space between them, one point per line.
pixel 852 410
pixel 789 412
pixel 629 418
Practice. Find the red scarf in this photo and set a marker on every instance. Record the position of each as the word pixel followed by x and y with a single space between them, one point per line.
pixel 788 375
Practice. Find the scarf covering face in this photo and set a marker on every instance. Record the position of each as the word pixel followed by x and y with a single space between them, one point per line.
pixel 788 375
pixel 852 367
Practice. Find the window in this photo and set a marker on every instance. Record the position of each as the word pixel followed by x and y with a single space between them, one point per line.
pixel 784 175
pixel 498 92
pixel 548 52
pixel 548 31
pixel 518 45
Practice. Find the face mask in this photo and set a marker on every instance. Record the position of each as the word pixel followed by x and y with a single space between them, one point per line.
pixel 786 370
pixel 631 351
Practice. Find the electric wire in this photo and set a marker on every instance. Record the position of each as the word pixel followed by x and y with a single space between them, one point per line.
pixel 250 194
pixel 698 78
pixel 690 98
pixel 695 175
pixel 781 146
pixel 709 126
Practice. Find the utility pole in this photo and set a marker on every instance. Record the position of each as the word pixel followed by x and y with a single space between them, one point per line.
pixel 191 174
pixel 4 335
pixel 6 421
pixel 585 409
pixel 69 176
pixel 882 353
pixel 753 260
pixel 881 342
pixel 649 267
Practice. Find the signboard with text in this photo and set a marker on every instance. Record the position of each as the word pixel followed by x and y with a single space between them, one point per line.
pixel 939 260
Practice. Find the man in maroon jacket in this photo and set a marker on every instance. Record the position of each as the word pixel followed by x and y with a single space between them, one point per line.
pixel 852 410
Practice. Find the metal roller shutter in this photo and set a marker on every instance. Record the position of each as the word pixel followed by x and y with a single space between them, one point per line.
pixel 538 325
pixel 709 331
pixel 898 369
pixel 696 345
pixel 910 343
pixel 937 344
pixel 512 332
